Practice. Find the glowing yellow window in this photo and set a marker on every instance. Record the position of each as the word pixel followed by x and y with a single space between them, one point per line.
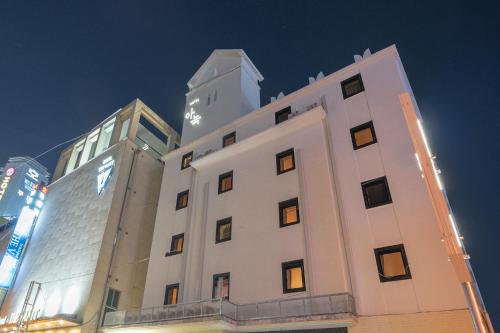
pixel 226 182
pixel 285 161
pixel 171 293
pixel 392 263
pixel 293 276
pixel 363 135
pixel 289 212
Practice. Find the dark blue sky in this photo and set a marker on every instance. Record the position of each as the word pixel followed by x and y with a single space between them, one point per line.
pixel 66 65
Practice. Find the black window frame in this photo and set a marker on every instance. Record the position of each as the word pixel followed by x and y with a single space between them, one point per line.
pixel 227 220
pixel 285 204
pixel 227 136
pixel 350 80
pixel 278 114
pixel 223 176
pixel 215 280
pixel 288 265
pixel 184 157
pixel 172 245
pixel 387 250
pixel 178 201
pixel 360 128
pixel 169 287
pixel 367 183
pixel 279 156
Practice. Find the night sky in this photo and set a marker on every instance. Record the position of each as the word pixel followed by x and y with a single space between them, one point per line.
pixel 66 65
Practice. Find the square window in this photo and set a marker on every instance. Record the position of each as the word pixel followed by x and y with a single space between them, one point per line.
pixel 376 192
pixel 289 212
pixel 285 161
pixel 182 200
pixel 186 160
pixel 226 182
pixel 293 276
pixel 363 135
pixel 228 139
pixel 176 245
pixel 171 294
pixel 392 263
pixel 282 115
pixel 352 86
pixel 220 287
pixel 223 232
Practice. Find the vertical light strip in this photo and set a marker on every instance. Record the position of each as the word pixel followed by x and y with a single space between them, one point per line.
pixel 421 129
pixel 418 162
pixel 455 229
pixel 436 174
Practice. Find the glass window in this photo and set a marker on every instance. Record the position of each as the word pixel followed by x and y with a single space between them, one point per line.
pixel 229 139
pixel 285 161
pixel 352 86
pixel 182 200
pixel 105 137
pixel 282 115
pixel 376 192
pixel 171 294
pixel 289 212
pixel 220 287
pixel 176 245
pixel 112 300
pixel 293 276
pixel 392 263
pixel 363 135
pixel 186 160
pixel 226 182
pixel 223 232
pixel 124 129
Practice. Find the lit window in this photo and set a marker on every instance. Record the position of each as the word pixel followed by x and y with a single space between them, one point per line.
pixel 182 200
pixel 363 135
pixel 79 153
pixel 293 276
pixel 289 212
pixel 176 245
pixel 229 139
pixel 392 263
pixel 376 192
pixel 223 232
pixel 285 161
pixel 105 137
pixel 282 115
pixel 186 160
pixel 171 294
pixel 226 182
pixel 352 86
pixel 220 287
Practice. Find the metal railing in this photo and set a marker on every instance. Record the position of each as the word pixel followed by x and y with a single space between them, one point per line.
pixel 278 309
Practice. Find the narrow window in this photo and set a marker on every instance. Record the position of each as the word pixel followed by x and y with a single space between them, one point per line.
pixel 392 263
pixel 208 100
pixel 226 182
pixel 282 115
pixel 289 212
pixel 171 294
pixel 186 160
pixel 363 135
pixel 376 192
pixel 215 96
pixel 285 161
pixel 220 287
pixel 112 300
pixel 223 230
pixel 228 139
pixel 176 245
pixel 182 200
pixel 293 276
pixel 352 86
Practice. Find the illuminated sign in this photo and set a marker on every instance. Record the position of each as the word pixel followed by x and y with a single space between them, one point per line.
pixel 10 172
pixel 33 174
pixel 4 185
pixel 105 171
pixel 194 118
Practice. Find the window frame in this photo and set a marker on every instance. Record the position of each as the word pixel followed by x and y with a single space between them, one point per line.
pixel 169 287
pixel 279 156
pixel 361 127
pixel 285 204
pixel 227 220
pixel 349 80
pixel 227 136
pixel 287 110
pixel 172 245
pixel 222 177
pixel 387 250
pixel 178 201
pixel 214 285
pixel 184 157
pixel 288 265
pixel 365 184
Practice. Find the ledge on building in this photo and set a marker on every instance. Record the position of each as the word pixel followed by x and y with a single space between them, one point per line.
pixel 43 324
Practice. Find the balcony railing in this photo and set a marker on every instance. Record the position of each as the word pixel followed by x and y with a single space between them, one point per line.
pixel 279 309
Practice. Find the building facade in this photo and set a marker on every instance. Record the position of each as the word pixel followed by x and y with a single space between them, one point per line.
pixel 321 211
pixel 89 249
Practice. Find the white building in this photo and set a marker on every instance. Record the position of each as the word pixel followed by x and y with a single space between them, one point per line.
pixel 322 210
pixel 89 249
